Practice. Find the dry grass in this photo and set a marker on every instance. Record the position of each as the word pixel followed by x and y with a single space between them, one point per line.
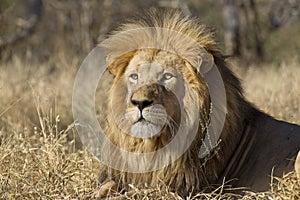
pixel 39 160
pixel 274 89
pixel 43 164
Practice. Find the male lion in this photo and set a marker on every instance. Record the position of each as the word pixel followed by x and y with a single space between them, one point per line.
pixel 158 90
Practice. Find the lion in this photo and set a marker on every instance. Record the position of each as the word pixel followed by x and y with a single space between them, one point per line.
pixel 156 90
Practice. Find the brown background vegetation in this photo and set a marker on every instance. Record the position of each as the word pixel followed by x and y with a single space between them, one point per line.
pixel 42 44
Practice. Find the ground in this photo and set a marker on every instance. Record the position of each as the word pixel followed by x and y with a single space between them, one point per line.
pixel 40 159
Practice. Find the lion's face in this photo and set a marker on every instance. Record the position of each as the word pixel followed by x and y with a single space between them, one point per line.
pixel 153 91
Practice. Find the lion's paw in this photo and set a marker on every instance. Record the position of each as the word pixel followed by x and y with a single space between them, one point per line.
pixel 106 188
pixel 297 165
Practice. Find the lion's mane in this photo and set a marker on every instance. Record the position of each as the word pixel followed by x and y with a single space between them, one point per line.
pixel 189 171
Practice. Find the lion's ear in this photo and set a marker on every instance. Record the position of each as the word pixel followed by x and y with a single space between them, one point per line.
pixel 118 64
pixel 205 63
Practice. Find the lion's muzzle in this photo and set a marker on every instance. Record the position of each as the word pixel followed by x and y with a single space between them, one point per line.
pixel 146 113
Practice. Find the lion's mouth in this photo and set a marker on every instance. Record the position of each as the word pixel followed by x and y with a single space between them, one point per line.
pixel 145 129
pixel 143 121
pixel 148 122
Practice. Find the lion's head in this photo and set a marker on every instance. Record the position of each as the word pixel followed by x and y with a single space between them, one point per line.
pixel 158 88
pixel 149 93
pixel 150 105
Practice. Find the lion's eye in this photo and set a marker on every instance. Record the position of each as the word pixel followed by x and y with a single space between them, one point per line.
pixel 168 76
pixel 134 77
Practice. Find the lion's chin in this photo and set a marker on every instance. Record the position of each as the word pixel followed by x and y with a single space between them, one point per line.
pixel 144 129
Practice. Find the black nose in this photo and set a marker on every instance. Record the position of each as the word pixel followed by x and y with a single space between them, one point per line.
pixel 141 104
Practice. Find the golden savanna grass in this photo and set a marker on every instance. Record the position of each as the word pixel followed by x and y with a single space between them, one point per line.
pixel 39 158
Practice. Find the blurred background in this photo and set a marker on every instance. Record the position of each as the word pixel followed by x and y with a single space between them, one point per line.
pixel 43 30
pixel 43 43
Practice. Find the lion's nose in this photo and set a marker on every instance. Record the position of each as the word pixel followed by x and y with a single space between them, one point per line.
pixel 141 104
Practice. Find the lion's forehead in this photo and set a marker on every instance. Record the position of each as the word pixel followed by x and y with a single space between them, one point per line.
pixel 158 60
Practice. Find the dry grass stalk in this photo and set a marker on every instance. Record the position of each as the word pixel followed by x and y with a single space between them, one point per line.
pixel 39 161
